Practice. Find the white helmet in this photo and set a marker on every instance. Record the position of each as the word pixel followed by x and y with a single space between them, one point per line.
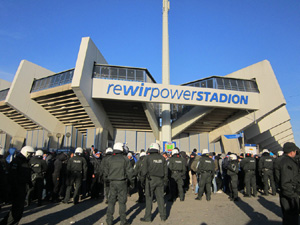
pixel 39 153
pixel 204 151
pixel 2 152
pixel 142 154
pixel 108 150
pixel 175 151
pixel 280 153
pixel 27 151
pixel 79 150
pixel 233 157
pixel 265 151
pixel 118 146
pixel 154 146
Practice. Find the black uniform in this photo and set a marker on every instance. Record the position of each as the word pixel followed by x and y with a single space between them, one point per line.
pixel 58 175
pixel 155 171
pixel 117 170
pixel 289 190
pixel 95 176
pixel 265 167
pixel 103 165
pixel 232 171
pixel 77 171
pixel 140 185
pixel 177 167
pixel 39 168
pixel 19 177
pixel 3 180
pixel 248 165
pixel 205 171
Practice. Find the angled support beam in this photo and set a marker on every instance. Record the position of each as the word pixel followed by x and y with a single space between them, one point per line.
pixel 150 114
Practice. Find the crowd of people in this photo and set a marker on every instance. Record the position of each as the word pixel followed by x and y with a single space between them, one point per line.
pixel 36 177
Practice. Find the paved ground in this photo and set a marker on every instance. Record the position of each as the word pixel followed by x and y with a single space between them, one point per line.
pixel 248 211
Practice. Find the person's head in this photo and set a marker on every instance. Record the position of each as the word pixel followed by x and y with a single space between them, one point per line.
pixel 142 154
pixel 233 157
pixel 165 155
pixel 39 153
pixel 153 148
pixel 27 151
pixel 265 152
pixel 129 155
pixel 205 151
pixel 280 153
pixel 78 151
pixel 290 149
pixel 108 151
pixel 118 147
pixel 175 152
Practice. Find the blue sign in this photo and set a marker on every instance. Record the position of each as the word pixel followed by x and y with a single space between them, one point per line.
pixel 234 136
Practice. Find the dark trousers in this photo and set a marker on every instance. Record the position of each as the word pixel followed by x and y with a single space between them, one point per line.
pixel 155 186
pixel 118 191
pixel 38 185
pixel 268 175
pixel 140 191
pixel 106 189
pixel 74 178
pixel 17 208
pixel 250 182
pixel 233 186
pixel 176 184
pixel 95 186
pixel 204 184
pixel 290 210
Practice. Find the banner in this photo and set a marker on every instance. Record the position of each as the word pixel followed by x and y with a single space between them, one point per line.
pixel 234 136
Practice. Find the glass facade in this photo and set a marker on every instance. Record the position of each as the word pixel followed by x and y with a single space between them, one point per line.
pixel 53 81
pixel 121 73
pixel 3 94
pixel 226 84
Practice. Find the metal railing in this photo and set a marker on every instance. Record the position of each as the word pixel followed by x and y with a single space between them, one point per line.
pixel 122 73
pixel 53 81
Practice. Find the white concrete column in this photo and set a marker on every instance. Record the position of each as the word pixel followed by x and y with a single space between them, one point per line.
pixel 166 117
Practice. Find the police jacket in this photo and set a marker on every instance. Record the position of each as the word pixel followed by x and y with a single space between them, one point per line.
pixel 265 162
pixel 38 166
pixel 276 165
pixel 177 164
pixel 103 165
pixel 77 164
pixel 289 177
pixel 118 168
pixel 138 167
pixel 205 164
pixel 248 163
pixel 19 172
pixel 155 165
pixel 232 167
pixel 58 165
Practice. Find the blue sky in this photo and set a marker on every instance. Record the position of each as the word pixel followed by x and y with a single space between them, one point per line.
pixel 206 37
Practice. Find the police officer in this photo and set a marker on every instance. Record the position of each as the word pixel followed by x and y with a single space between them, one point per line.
pixel 3 177
pixel 277 162
pixel 155 171
pixel 265 167
pixel 248 164
pixel 58 175
pixel 289 185
pixel 77 171
pixel 137 173
pixel 205 171
pixel 117 170
pixel 19 177
pixel 232 171
pixel 39 168
pixel 108 154
pixel 177 167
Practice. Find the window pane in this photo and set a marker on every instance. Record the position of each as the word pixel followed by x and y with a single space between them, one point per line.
pixel 220 84
pixel 233 84
pixel 122 74
pixel 210 83
pixel 227 84
pixel 130 75
pixel 139 75
pixel 104 72
pixel 96 72
pixel 113 73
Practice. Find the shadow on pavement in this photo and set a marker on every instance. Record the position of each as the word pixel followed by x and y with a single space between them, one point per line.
pixel 57 217
pixel 271 206
pixel 255 217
